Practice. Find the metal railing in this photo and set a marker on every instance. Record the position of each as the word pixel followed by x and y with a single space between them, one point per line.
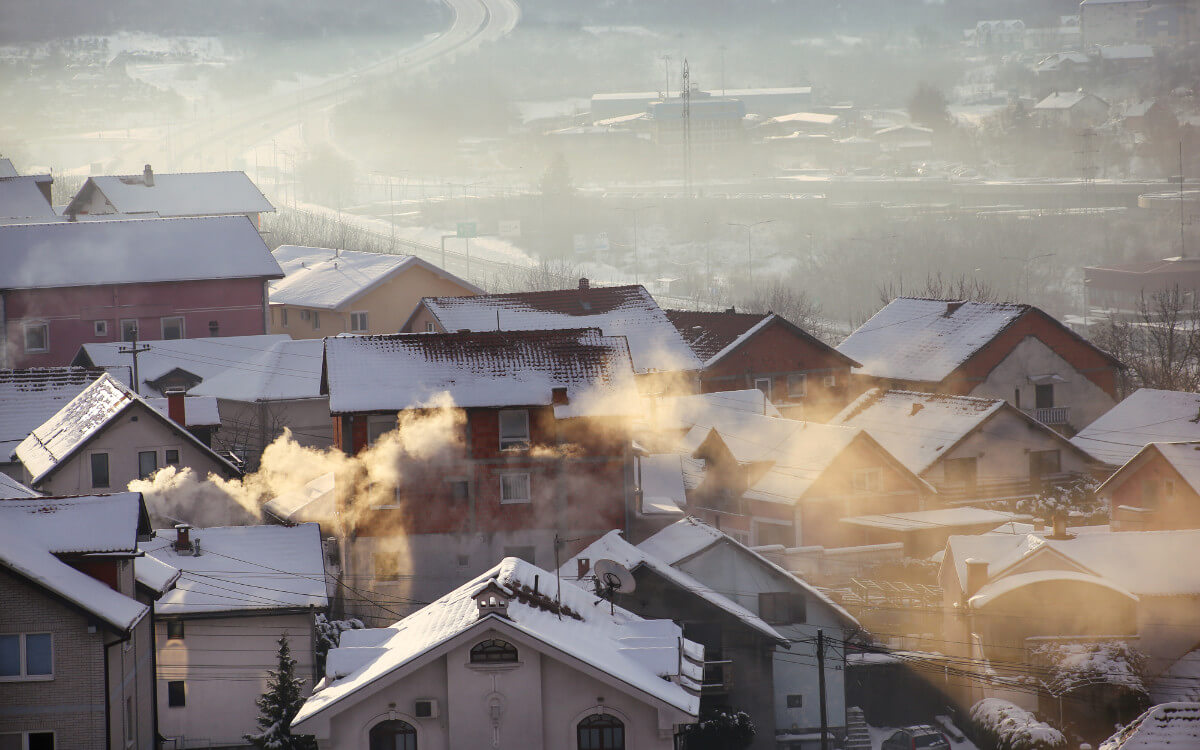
pixel 1051 416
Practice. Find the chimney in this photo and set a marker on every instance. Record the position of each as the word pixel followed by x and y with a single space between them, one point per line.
pixel 582 566
pixel 148 176
pixel 176 409
pixel 1039 524
pixel 558 396
pixel 584 283
pixel 916 407
pixel 183 539
pixel 977 575
pixel 731 310
pixel 951 307
pixel 1060 527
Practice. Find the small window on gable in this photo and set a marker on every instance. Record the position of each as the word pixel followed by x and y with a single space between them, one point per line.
pixel 830 381
pixel 782 608
pixel 316 320
pixel 129 329
pixel 514 429
pixel 147 463
pixel 493 651
pixel 283 317
pixel 868 480
pixel 100 470
pixel 429 327
pixel 764 385
pixel 170 456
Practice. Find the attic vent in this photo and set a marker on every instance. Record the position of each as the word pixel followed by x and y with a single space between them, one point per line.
pixel 951 307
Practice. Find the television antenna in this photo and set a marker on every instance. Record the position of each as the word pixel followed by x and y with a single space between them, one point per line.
pixel 611 578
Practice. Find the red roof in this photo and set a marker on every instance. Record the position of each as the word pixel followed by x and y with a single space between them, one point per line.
pixel 710 332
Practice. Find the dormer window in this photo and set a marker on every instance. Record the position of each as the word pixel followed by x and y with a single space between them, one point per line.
pixel 492 599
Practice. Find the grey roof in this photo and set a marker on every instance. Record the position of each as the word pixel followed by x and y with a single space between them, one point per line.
pixel 63 254
pixel 21 199
pixel 29 397
pixel 184 194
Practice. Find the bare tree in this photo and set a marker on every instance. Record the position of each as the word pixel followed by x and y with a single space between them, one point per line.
pixel 1160 344
pixel 969 288
pixel 789 301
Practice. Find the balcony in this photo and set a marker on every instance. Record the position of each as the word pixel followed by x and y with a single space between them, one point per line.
pixel 1054 416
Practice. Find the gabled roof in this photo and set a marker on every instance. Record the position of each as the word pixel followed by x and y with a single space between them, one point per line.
pixel 1146 416
pixel 182 194
pixel 155 575
pixel 926 339
pixel 715 335
pixel 11 488
pixel 269 367
pixel 328 279
pixel 22 200
pixel 132 251
pixel 504 368
pixel 612 546
pixel 1163 727
pixel 706 409
pixel 640 655
pixel 925 520
pixel 30 397
pixel 243 568
pixel 628 311
pixel 1183 457
pixel 1066 100
pixel 79 525
pixel 6 168
pixel 61 436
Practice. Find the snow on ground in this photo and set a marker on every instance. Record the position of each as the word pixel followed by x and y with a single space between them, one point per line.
pixel 879 734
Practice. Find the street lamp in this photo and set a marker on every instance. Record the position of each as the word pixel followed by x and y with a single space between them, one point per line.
pixel 636 259
pixel 749 249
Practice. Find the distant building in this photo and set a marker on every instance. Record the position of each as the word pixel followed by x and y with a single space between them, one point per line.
pixel 1001 34
pixel 25 198
pixel 326 292
pixel 170 195
pixel 1157 489
pixel 30 397
pixel 1121 287
pixel 1158 22
pixel 1071 109
pixel 767 102
pixel 714 129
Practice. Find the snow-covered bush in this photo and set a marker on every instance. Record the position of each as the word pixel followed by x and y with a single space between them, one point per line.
pixel 1006 726
pixel 1077 498
pixel 1077 665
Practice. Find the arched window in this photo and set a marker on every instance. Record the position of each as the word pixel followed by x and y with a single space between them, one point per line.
pixel 393 735
pixel 601 732
pixel 493 651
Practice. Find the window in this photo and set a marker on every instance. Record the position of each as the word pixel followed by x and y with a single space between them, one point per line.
pixel 601 732
pixel 795 700
pixel 147 463
pixel 100 470
pixel 868 480
pixel 358 322
pixel 525 552
pixel 764 385
pixel 27 741
pixel 100 327
pixel 129 330
pixel 283 317
pixel 514 488
pixel 130 726
pixel 386 567
pixel 797 386
pixel 514 429
pixel 1149 493
pixel 1017 397
pixel 174 630
pixel 429 328
pixel 782 608
pixel 37 337
pixel 170 457
pixel 460 489
pixel 393 735
pixel 1044 463
pixel 172 328
pixel 377 427
pixel 26 656
pixel 1169 489
pixel 316 320
pixel 830 381
pixel 961 471
pixel 493 651
pixel 305 315
pixel 176 694
pixel 774 533
pixel 1043 396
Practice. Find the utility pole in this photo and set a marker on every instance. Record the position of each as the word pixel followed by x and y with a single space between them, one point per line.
pixel 821 688
pixel 135 350
pixel 749 248
pixel 636 260
pixel 686 95
pixel 667 77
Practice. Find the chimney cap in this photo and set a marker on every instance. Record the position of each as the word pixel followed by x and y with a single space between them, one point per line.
pixel 584 283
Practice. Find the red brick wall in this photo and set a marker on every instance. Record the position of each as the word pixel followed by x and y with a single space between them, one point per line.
pixel 1182 511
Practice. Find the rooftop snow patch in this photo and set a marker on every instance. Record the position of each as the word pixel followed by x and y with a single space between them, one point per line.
pixel 504 368
pixel 11 488
pixel 182 194
pixel 329 279
pixel 715 335
pixel 629 311
pixel 22 200
pixel 926 339
pixel 84 524
pixel 1167 726
pixel 1146 416
pixel 133 251
pixel 30 397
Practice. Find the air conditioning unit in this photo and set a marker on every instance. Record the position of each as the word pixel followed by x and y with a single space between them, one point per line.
pixel 425 708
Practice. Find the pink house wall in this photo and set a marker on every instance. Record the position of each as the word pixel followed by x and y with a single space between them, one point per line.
pixel 237 305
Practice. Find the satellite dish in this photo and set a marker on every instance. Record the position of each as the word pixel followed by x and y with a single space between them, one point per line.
pixel 613 576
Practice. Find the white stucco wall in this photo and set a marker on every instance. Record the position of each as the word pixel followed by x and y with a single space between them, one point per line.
pixel 1086 400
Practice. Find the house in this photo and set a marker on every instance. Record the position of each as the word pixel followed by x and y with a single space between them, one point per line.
pixel 1070 109
pixel 26 198
pixel 1148 415
pixel 511 658
pixel 71 283
pixel 804 377
pixel 999 34
pixel 534 446
pixel 971 449
pixel 906 140
pixel 660 354
pixel 1006 594
pixel 262 384
pixel 238 589
pixel 170 195
pixel 989 350
pixel 758 624
pixel 1159 488
pixel 1146 115
pixel 75 633
pixel 326 292
pixel 30 397
pixel 1164 725
pixel 105 438
pixel 1110 21
pixel 1119 288
pixel 924 533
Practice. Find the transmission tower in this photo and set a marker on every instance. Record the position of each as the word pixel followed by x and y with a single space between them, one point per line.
pixel 687 130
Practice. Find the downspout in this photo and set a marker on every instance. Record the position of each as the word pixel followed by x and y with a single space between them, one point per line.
pixel 3 331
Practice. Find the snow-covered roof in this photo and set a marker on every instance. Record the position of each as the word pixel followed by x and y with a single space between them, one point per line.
pixel 612 546
pixel 706 409
pixel 1146 416
pixel 154 574
pixel 6 168
pixel 132 251
pixel 917 428
pixel 808 118
pixel 270 367
pixel 926 339
pixel 84 524
pixel 198 411
pixel 313 503
pixel 30 397
pixel 498 368
pixel 1180 681
pixel 10 488
pixel 798 461
pixel 181 194
pixel 1146 563
pixel 924 520
pixel 1126 52
pixel 995 589
pixel 327 279
pixel 690 536
pixel 24 555
pixel 662 484
pixel 21 199
pixel 641 654
pixel 715 335
pixel 1166 726
pixel 242 568
pixel 58 438
pixel 1064 100
pixel 629 311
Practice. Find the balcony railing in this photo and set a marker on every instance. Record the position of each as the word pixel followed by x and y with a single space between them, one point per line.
pixel 994 490
pixel 1053 416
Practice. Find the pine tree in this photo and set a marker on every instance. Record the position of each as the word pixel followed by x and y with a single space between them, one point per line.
pixel 279 705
